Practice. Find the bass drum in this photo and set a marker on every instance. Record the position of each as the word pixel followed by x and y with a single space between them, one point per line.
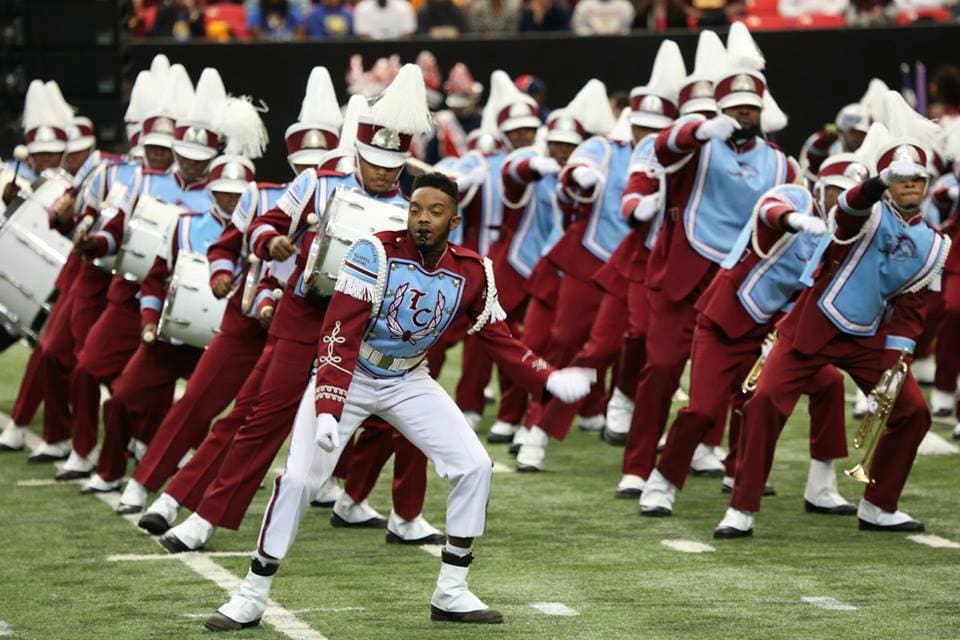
pixel 145 238
pixel 191 313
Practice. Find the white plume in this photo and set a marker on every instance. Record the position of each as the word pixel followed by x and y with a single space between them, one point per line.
pixel 403 105
pixel 240 123
pixel 61 114
pixel 742 51
pixel 139 96
pixel 591 107
pixel 320 106
pixel 772 117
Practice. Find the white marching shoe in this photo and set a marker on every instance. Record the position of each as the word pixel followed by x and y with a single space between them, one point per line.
pixel 13 438
pixel 942 403
pixel 619 415
pixel 821 494
pixel 502 432
pixel 190 535
pixel 328 494
pixel 416 531
pixel 706 462
pixel 592 424
pixel 873 518
pixel 452 600
pixel 924 369
pixel 96 484
pixel 77 467
pixel 518 439
pixel 473 419
pixel 956 432
pixel 347 513
pixel 533 450
pixel 160 515
pixel 735 524
pixel 50 452
pixel 861 405
pixel 133 498
pixel 630 486
pixel 658 496
pixel 246 607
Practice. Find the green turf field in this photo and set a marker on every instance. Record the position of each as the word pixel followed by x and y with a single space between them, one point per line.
pixel 558 536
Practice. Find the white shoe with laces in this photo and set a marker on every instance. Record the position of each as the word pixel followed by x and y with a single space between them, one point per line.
pixel 533 450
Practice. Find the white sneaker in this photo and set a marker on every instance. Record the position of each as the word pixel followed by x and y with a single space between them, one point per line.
pixel 245 607
pixel 658 496
pixel 77 467
pixel 48 452
pixel 924 370
pixel 96 484
pixel 13 438
pixel 416 531
pixel 592 424
pixel 861 405
pixel 873 518
pixel 452 599
pixel 630 486
pixel 190 535
pixel 133 498
pixel 735 524
pixel 619 415
pixel 160 515
pixel 705 462
pixel 942 403
pixel 533 450
pixel 502 432
pixel 473 419
pixel 347 513
pixel 327 494
pixel 821 494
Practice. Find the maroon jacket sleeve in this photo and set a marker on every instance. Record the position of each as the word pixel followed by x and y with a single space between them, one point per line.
pixel 771 213
pixel 518 362
pixel 265 288
pixel 676 142
pixel 153 291
pixel 344 324
pixel 639 184
pixel 109 237
pixel 907 321
pixel 224 253
pixel 817 148
pixel 854 206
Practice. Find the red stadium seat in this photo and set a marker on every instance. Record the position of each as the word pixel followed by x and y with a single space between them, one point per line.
pixel 821 21
pixel 768 22
pixel 938 14
pixel 234 15
pixel 147 16
pixel 762 8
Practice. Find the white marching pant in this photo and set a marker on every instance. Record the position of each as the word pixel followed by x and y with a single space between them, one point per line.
pixel 419 408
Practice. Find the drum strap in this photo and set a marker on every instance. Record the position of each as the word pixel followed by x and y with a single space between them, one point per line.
pixel 382 360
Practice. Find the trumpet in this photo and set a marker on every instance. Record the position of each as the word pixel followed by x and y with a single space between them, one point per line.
pixel 881 400
pixel 750 382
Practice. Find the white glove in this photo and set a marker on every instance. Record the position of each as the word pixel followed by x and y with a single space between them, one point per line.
pixel 953 192
pixel 545 166
pixel 719 127
pixel 647 207
pixel 474 178
pixel 571 384
pixel 900 171
pixel 813 225
pixel 586 177
pixel 328 432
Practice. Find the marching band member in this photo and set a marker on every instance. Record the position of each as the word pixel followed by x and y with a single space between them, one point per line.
pixel 225 363
pixel 727 166
pixel 382 147
pixel 350 384
pixel 460 117
pixel 862 328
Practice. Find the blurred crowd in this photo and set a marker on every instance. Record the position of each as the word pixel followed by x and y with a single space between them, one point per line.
pixel 384 19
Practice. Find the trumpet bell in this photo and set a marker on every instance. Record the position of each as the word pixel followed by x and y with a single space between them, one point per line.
pixel 859 473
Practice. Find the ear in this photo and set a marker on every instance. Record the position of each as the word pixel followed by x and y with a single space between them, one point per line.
pixel 454 222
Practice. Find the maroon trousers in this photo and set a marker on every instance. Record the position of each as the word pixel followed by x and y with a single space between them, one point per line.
pixel 371 450
pixel 224 366
pixel 719 366
pixel 513 398
pixel 786 373
pixel 948 336
pixel 142 394
pixel 111 341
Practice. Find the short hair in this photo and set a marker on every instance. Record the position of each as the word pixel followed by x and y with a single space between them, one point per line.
pixel 437 180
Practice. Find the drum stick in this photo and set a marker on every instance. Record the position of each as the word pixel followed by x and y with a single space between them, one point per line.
pixel 311 219
pixel 276 293
pixel 149 337
pixel 419 166
pixel 85 225
pixel 20 154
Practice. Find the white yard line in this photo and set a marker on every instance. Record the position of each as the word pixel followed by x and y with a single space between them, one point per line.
pixel 502 468
pixel 828 603
pixel 204 616
pixel 5 629
pixel 554 609
pixel 47 482
pixel 146 557
pixel 432 549
pixel 934 541
pixel 687 546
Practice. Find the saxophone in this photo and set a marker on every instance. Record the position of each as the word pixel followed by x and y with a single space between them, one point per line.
pixel 750 382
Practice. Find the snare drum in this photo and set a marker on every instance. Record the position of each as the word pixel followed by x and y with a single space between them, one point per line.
pixel 348 217
pixel 33 255
pixel 191 314
pixel 145 237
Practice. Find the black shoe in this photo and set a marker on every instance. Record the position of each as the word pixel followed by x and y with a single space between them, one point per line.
pixel 67 476
pixel 612 438
pixel 523 468
pixel 912 526
pixel 839 510
pixel 322 504
pixel 45 458
pixel 499 438
pixel 5 449
pixel 514 449
pixel 656 512
pixel 372 523
pixel 483 616
pixel 433 538
pixel 628 493
pixel 154 524
pixel 220 622
pixel 128 509
pixel 173 544
pixel 942 413
pixel 768 490
pixel 709 473
pixel 728 533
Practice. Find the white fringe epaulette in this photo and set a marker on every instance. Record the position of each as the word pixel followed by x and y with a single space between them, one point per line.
pixel 935 271
pixel 492 311
pixel 362 290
